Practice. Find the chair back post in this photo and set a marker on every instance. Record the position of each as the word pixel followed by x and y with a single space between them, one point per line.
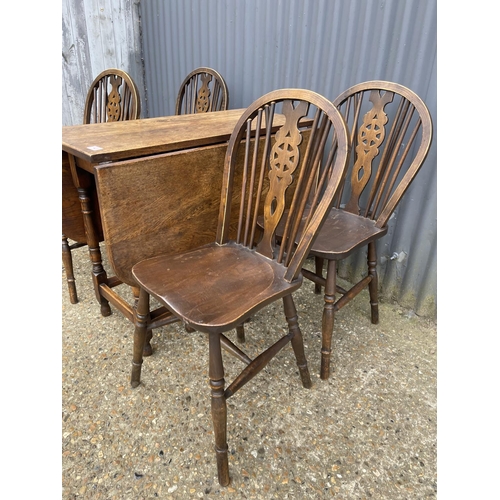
pixel 290 147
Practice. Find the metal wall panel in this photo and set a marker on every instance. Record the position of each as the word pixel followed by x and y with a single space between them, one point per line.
pixel 97 35
pixel 326 46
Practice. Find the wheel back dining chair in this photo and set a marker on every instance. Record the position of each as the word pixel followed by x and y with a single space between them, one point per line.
pixel 202 91
pixel 113 96
pixel 216 287
pixel 390 134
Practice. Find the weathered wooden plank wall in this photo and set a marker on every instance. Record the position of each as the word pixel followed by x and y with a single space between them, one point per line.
pixel 97 35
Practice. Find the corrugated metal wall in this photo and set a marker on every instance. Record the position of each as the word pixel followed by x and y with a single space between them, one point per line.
pixel 261 45
pixel 326 46
pixel 97 35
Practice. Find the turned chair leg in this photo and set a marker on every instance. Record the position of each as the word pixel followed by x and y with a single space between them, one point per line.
pixel 318 261
pixel 373 285
pixel 141 317
pixel 297 340
pixel 148 349
pixel 136 290
pixel 240 333
pixel 219 409
pixel 328 319
pixel 68 268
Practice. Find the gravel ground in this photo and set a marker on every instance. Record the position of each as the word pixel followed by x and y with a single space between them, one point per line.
pixel 367 432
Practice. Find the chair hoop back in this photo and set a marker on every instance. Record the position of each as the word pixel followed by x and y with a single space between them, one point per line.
pixel 291 148
pixel 202 91
pixel 113 96
pixel 390 136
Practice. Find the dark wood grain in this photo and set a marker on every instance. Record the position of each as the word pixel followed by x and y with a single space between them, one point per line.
pixel 72 221
pixel 175 196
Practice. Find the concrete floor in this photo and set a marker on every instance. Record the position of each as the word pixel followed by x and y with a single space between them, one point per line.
pixel 367 432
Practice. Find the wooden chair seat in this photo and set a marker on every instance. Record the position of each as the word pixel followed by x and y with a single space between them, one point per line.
pixel 225 284
pixel 342 233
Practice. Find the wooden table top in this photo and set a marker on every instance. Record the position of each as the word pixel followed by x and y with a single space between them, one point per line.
pixel 102 142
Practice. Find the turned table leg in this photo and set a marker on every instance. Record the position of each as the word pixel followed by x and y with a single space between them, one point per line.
pixel 82 184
